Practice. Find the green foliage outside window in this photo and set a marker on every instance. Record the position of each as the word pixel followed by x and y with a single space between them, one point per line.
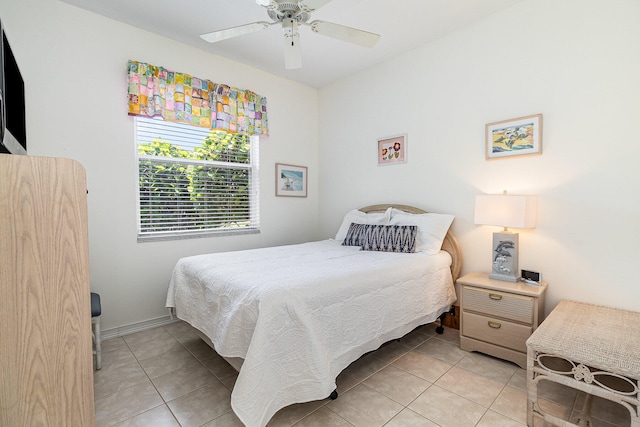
pixel 208 190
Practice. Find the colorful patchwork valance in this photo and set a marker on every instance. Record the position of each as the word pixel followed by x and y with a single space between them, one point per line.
pixel 179 97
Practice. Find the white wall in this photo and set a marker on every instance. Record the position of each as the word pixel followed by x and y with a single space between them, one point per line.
pixel 74 65
pixel 575 61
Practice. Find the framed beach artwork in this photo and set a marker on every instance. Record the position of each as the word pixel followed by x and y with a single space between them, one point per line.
pixel 392 150
pixel 514 137
pixel 291 181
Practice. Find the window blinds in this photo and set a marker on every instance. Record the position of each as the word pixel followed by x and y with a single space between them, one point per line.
pixel 194 181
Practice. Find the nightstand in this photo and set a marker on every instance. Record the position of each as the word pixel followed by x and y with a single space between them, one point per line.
pixel 497 317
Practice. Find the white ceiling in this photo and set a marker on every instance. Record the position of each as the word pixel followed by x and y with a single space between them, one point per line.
pixel 403 25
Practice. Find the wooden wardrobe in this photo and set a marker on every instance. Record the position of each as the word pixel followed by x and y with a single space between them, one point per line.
pixel 46 358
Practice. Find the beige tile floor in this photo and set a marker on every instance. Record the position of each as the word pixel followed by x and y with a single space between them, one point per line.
pixel 168 377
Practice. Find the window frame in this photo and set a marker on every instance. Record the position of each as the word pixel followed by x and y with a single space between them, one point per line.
pixel 253 197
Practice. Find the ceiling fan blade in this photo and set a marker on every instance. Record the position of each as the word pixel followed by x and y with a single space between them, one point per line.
pixel 241 30
pixel 292 54
pixel 311 5
pixel 347 34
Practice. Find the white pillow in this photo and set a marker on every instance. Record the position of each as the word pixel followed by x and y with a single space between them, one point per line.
pixel 360 217
pixel 432 228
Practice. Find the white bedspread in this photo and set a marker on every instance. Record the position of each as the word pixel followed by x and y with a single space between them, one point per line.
pixel 298 315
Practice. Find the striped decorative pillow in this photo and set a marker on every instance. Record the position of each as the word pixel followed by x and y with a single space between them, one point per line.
pixel 354 234
pixel 389 238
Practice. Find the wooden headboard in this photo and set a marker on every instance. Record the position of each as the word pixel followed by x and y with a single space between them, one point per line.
pixel 450 243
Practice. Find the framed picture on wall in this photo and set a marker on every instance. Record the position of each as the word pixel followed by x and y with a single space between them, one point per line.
pixel 291 181
pixel 392 150
pixel 514 137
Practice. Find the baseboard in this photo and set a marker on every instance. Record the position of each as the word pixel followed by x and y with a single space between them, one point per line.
pixel 450 321
pixel 137 327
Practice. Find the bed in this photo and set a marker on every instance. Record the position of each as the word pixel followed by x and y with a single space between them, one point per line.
pixel 291 318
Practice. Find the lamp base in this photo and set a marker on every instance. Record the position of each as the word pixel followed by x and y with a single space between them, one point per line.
pixel 505 257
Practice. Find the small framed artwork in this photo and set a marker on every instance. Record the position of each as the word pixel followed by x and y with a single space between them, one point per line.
pixel 291 181
pixel 392 150
pixel 514 137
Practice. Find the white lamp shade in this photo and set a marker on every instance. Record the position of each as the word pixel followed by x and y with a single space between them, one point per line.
pixel 506 210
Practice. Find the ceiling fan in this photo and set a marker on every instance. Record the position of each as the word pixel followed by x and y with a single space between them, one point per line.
pixel 289 14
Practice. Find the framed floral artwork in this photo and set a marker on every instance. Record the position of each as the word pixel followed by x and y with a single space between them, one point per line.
pixel 392 150
pixel 514 137
pixel 291 180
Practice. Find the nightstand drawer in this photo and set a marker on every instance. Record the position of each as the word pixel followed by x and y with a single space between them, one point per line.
pixel 500 304
pixel 496 331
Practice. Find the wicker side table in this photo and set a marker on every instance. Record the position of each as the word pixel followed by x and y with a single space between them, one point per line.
pixel 591 348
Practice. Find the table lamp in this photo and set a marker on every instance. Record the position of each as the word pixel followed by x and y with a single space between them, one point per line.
pixel 505 210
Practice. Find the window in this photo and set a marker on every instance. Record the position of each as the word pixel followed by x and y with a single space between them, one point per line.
pixel 195 181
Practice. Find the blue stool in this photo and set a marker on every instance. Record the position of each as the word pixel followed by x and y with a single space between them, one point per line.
pixel 96 311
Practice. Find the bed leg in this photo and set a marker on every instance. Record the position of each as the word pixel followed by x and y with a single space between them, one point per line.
pixel 440 329
pixel 333 395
